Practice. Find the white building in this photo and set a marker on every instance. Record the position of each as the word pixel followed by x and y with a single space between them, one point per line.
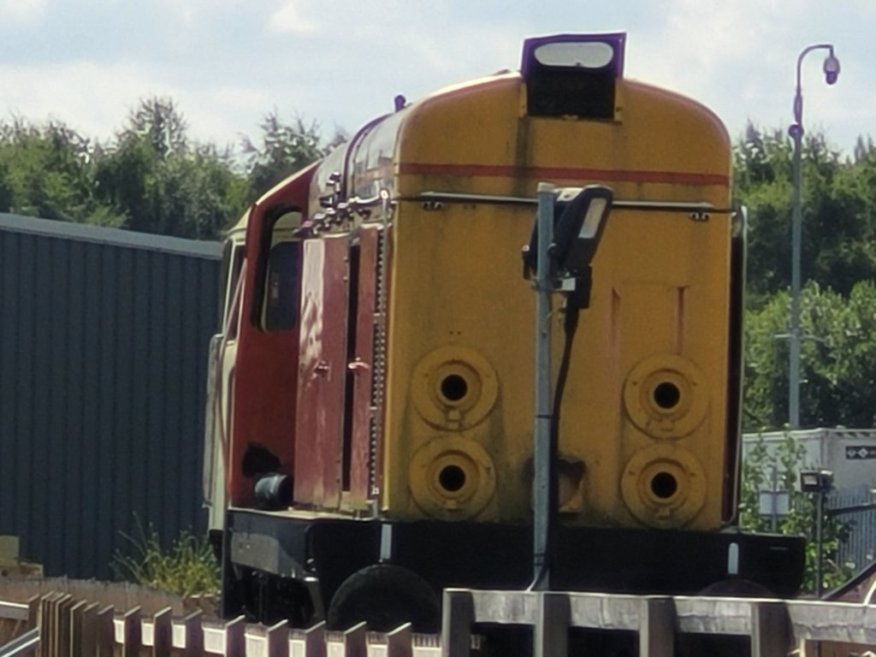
pixel 849 453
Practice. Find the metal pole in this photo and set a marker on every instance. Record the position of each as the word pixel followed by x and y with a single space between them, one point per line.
pixel 774 523
pixel 542 459
pixel 795 333
pixel 796 240
pixel 819 546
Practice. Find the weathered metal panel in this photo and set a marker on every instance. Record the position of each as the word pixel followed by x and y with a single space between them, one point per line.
pixel 103 344
pixel 322 373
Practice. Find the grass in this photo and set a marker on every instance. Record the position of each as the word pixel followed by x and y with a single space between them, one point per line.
pixel 187 567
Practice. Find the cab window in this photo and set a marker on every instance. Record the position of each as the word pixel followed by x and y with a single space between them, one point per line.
pixel 281 284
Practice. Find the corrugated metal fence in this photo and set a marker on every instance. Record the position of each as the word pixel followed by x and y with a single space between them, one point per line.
pixel 103 343
pixel 849 506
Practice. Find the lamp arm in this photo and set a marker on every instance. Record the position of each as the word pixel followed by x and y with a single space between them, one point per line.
pixel 798 96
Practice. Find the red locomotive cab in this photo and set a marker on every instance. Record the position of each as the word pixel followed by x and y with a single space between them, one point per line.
pixel 304 414
pixel 261 448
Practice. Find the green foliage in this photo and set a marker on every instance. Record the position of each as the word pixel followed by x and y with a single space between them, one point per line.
pixel 839 212
pixel 838 301
pixel 284 149
pixel 47 171
pixel 151 177
pixel 187 567
pixel 838 359
pixel 161 183
pixel 757 475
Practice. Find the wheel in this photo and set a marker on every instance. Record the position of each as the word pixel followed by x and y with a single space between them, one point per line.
pixel 385 596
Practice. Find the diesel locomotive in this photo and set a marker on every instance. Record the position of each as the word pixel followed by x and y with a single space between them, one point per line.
pixel 370 425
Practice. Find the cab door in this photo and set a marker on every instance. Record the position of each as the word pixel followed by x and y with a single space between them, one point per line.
pixel 322 371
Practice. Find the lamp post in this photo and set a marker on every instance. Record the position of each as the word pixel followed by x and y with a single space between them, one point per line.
pixel 831 69
pixel 559 253
pixel 820 483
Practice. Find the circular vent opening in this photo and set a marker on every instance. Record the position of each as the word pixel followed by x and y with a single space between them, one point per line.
pixel 454 388
pixel 664 485
pixel 667 395
pixel 451 478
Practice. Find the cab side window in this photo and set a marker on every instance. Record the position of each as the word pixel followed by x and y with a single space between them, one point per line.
pixel 233 257
pixel 281 291
pixel 281 282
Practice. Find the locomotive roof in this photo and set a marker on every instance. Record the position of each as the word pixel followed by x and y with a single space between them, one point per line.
pixel 496 136
pixel 477 138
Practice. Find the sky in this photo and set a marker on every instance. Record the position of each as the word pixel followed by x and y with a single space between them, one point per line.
pixel 340 63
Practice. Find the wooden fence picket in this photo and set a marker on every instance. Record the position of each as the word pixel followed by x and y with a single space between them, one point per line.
pixel 355 641
pixel 66 627
pixel 77 612
pixel 193 633
pixel 399 642
pixel 235 639
pixel 132 632
pixel 162 633
pixel 277 640
pixel 88 630
pixel 308 643
pixel 105 632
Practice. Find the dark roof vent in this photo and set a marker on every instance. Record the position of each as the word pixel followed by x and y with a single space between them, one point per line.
pixel 573 75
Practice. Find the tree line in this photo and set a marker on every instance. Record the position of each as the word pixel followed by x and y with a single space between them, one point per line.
pixel 838 270
pixel 152 177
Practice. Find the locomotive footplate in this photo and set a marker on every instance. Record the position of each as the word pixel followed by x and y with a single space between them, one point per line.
pixel 327 551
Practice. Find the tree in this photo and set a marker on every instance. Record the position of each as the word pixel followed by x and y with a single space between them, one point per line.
pixel 162 183
pixel 284 149
pixel 151 177
pixel 757 475
pixel 838 359
pixel 48 171
pixel 161 124
pixel 838 203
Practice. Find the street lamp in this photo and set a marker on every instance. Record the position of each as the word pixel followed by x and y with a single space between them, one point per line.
pixel 820 483
pixel 831 69
pixel 569 225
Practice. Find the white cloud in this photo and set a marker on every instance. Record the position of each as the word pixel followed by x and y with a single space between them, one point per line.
pixel 341 62
pixel 93 99
pixel 290 18
pixel 739 58
pixel 16 12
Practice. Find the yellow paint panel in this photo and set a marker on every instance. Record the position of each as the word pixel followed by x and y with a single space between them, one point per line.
pixel 661 291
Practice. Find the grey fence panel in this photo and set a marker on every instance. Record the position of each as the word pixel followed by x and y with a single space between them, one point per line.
pixel 103 344
pixel 860 546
